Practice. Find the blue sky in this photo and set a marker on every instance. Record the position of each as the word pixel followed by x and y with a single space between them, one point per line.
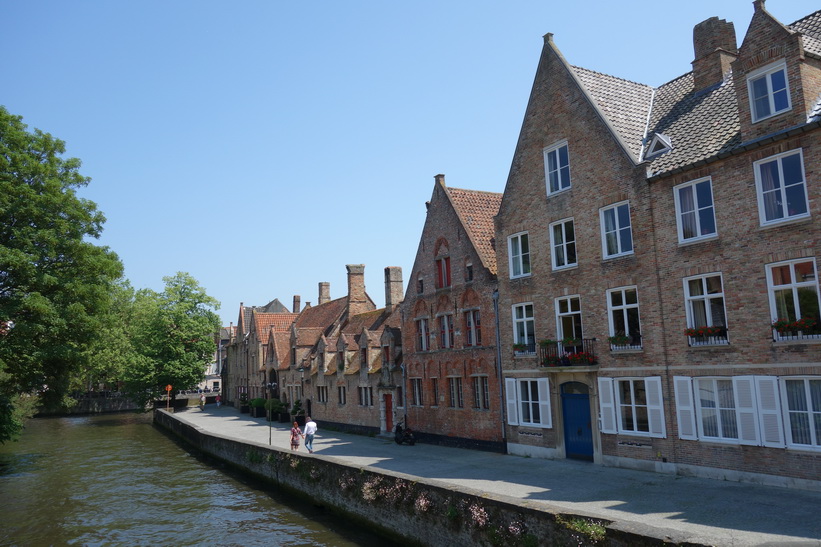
pixel 263 145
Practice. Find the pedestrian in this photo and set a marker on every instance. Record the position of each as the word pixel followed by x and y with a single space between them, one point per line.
pixel 219 401
pixel 296 433
pixel 310 431
pixel 202 401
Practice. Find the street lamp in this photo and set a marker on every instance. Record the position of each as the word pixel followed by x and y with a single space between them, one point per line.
pixel 271 386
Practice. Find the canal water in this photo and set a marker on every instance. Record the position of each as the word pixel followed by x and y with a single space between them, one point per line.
pixel 118 480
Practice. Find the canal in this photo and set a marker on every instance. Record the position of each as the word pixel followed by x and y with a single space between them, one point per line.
pixel 116 479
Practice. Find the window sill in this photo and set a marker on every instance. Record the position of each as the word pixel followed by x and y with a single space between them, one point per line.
pixel 697 240
pixel 786 222
pixel 566 268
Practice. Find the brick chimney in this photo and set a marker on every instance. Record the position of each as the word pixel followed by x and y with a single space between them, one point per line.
pixel 357 300
pixel 297 301
pixel 715 48
pixel 324 292
pixel 393 286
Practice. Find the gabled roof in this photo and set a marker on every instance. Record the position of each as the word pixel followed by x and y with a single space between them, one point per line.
pixel 810 27
pixel 321 316
pixel 264 323
pixel 476 210
pixel 282 348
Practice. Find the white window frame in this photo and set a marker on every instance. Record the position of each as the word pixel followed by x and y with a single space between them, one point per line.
pixel 624 310
pixel 446 331
pixel 561 171
pixel 521 332
pixel 422 333
pixel 515 402
pixel 793 287
pixel 782 191
pixel 706 298
pixel 699 210
pixel 810 413
pixel 575 318
pixel 473 328
pixel 618 230
pixel 611 405
pixel 766 74
pixel 559 249
pixel 416 392
pixel 520 261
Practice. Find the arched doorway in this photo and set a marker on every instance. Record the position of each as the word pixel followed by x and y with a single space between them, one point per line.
pixel 578 430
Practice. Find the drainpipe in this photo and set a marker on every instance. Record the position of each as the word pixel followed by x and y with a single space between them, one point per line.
pixel 502 408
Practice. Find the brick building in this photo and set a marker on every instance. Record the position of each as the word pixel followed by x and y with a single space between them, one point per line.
pixel 451 377
pixel 658 255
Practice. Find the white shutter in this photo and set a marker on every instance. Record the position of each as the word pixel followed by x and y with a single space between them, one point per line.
pixel 769 411
pixel 655 407
pixel 544 402
pixel 607 408
pixel 745 409
pixel 512 405
pixel 685 409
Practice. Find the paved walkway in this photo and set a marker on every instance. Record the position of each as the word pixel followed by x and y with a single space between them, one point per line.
pixel 680 509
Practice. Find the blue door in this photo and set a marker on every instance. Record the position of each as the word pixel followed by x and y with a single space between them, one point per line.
pixel 578 432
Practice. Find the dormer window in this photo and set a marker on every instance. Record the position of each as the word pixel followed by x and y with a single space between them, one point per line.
pixel 769 92
pixel 659 145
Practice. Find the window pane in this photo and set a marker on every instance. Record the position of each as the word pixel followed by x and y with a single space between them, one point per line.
pixel 779 89
pixel 626 236
pixel 631 296
pixel 624 216
pixel 782 275
pixel 770 179
pixel 695 287
pixel 707 220
pixel 686 199
pixel 796 200
pixel 688 225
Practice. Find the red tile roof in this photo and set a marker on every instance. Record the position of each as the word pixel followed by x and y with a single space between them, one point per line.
pixel 476 210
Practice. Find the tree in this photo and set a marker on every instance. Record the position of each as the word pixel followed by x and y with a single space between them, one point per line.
pixel 174 333
pixel 54 281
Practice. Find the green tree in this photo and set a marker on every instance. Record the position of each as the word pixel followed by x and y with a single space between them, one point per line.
pixel 174 333
pixel 54 281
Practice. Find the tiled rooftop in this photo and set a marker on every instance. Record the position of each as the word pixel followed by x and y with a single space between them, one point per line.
pixel 476 209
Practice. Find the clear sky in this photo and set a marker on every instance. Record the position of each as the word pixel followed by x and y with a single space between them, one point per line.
pixel 263 145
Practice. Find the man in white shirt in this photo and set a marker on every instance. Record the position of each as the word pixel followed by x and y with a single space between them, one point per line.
pixel 310 431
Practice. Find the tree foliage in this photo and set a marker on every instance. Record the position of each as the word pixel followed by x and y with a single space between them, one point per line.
pixel 174 333
pixel 54 282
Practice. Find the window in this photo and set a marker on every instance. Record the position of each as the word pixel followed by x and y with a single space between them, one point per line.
pixel 416 391
pixel 443 273
pixel 803 412
pixel 468 272
pixel 340 361
pixel 793 292
pixel 366 396
pixel 446 331
pixel 473 328
pixel 519 251
pixel 623 310
pixel 322 394
pixel 781 188
pixel 528 402
pixel 343 397
pixel 481 393
pixel 694 210
pixel 400 397
pixel 422 335
pixel 434 390
pixel 363 358
pixel 617 235
pixel 420 286
pixel 386 355
pixel 524 337
pixel 563 243
pixel 455 389
pixel 704 301
pixel 556 168
pixel 569 322
pixel 632 406
pixel 769 92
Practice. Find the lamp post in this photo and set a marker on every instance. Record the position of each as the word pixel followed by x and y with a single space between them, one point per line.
pixel 271 386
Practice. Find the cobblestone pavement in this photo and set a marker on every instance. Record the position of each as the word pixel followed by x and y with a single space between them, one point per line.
pixel 679 509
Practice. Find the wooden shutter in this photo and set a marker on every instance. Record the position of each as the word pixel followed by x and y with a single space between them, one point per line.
pixel 685 408
pixel 769 411
pixel 745 409
pixel 544 402
pixel 607 408
pixel 512 405
pixel 655 406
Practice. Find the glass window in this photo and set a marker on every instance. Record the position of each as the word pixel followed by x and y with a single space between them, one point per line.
pixel 473 328
pixel 519 251
pixel 557 168
pixel 455 390
pixel 623 310
pixel 633 411
pixel 569 322
pixel 416 391
pixel 706 319
pixel 617 234
pixel 422 335
pixel 782 191
pixel 524 331
pixel 717 409
pixel 481 397
pixel 563 243
pixel 443 273
pixel 793 291
pixel 694 208
pixel 769 92
pixel 446 331
pixel 803 398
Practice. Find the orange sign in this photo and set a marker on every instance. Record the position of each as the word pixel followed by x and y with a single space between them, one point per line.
pixel 168 387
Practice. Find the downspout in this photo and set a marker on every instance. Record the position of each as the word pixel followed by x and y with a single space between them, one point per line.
pixel 502 408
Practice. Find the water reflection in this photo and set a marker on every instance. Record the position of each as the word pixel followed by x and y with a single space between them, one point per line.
pixel 117 480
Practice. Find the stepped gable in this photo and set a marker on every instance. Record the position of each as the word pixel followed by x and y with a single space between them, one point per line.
pixel 476 210
pixel 624 104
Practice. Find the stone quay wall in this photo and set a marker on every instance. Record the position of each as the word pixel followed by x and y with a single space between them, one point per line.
pixel 410 509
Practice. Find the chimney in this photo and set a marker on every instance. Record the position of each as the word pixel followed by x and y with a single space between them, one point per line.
pixel 715 48
pixel 440 179
pixel 297 301
pixel 393 286
pixel 357 300
pixel 324 292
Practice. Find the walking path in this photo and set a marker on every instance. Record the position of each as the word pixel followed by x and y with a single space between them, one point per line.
pixel 678 509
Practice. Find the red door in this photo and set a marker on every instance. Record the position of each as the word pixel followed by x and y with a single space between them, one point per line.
pixel 388 412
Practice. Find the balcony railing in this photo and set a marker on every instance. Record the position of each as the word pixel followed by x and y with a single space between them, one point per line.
pixel 796 335
pixel 712 336
pixel 558 354
pixel 625 342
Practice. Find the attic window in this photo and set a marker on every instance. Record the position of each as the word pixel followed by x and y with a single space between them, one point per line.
pixel 659 145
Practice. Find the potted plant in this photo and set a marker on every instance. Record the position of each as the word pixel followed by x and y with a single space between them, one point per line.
pixel 257 407
pixel 619 339
pixel 274 408
pixel 297 413
pixel 243 403
pixel 519 348
pixel 703 332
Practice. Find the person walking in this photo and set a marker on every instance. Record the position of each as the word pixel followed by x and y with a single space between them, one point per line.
pixel 296 433
pixel 219 401
pixel 202 401
pixel 310 431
